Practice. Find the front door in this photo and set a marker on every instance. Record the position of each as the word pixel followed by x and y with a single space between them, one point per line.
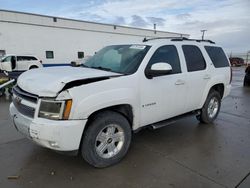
pixel 7 63
pixel 163 97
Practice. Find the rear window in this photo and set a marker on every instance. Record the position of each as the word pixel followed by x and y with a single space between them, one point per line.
pixel 217 56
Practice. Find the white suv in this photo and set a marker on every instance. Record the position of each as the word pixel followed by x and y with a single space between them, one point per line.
pixel 11 63
pixel 95 109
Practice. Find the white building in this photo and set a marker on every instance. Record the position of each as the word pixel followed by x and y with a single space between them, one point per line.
pixel 60 40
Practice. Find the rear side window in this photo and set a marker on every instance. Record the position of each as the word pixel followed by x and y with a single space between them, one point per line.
pixel 26 58
pixel 217 56
pixel 194 58
pixel 167 54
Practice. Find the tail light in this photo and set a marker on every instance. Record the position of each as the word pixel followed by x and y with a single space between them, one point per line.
pixel 231 75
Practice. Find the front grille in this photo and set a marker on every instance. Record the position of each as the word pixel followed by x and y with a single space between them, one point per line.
pixel 25 95
pixel 23 109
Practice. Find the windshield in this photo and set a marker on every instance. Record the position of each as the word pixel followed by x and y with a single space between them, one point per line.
pixel 6 59
pixel 124 59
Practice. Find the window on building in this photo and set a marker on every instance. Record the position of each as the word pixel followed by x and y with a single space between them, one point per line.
pixel 80 55
pixel 49 55
pixel 2 53
pixel 217 56
pixel 167 54
pixel 194 58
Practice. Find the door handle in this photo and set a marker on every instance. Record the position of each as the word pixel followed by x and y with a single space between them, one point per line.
pixel 180 82
pixel 207 77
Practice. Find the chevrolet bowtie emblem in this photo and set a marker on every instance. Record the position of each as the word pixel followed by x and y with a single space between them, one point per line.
pixel 18 100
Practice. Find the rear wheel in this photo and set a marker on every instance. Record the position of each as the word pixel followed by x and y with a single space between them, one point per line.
pixel 106 140
pixel 211 108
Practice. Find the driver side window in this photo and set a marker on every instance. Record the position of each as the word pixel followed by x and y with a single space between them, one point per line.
pixel 167 54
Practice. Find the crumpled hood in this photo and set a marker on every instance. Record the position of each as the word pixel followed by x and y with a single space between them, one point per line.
pixel 47 82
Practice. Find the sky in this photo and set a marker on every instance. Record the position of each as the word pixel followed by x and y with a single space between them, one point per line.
pixel 227 21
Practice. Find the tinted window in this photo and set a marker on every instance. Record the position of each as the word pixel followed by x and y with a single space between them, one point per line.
pixel 217 56
pixel 26 58
pixel 49 54
pixel 194 58
pixel 7 59
pixel 167 54
pixel 80 55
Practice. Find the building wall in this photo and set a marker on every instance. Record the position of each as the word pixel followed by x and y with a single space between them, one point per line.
pixel 22 33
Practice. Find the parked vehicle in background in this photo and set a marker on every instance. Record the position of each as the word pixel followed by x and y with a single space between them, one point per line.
pixel 11 63
pixel 236 61
pixel 247 76
pixel 120 90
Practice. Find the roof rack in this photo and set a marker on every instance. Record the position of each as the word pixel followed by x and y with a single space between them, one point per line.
pixel 156 38
pixel 178 39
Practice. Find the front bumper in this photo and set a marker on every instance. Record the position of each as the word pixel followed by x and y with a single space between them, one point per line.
pixel 62 135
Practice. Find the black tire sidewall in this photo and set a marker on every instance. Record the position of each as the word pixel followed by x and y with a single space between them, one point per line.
pixel 99 122
pixel 204 112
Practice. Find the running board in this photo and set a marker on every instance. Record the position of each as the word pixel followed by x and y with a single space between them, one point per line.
pixel 173 120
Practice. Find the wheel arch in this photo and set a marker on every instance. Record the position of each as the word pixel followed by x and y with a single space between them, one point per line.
pixel 33 67
pixel 124 109
pixel 220 87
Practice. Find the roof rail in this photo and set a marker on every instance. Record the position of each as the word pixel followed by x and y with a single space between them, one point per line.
pixel 156 38
pixel 177 39
pixel 197 40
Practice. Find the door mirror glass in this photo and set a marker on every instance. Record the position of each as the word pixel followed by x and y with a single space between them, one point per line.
pixel 158 69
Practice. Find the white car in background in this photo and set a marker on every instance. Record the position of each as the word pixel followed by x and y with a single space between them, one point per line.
pixel 11 63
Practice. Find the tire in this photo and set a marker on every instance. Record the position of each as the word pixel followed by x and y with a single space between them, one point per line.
pixel 211 108
pixel 245 82
pixel 106 140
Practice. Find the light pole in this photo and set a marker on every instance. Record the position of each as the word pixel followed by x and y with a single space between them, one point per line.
pixel 203 33
pixel 247 57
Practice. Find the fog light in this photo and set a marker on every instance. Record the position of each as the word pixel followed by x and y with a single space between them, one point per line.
pixel 53 144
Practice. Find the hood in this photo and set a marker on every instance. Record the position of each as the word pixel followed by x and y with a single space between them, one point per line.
pixel 47 82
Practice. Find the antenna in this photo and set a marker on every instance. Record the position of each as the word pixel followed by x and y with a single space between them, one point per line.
pixel 203 33
pixel 155 28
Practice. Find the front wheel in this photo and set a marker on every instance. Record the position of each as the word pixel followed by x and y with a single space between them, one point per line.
pixel 211 108
pixel 106 140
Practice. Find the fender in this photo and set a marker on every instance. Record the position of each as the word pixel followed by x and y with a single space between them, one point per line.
pixel 220 79
pixel 87 105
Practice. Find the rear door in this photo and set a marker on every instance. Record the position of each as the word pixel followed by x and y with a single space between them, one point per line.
pixel 24 62
pixel 198 75
pixel 7 63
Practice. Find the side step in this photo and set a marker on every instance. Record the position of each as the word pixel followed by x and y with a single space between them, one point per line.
pixel 173 120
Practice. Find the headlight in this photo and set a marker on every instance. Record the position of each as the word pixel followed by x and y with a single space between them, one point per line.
pixel 55 110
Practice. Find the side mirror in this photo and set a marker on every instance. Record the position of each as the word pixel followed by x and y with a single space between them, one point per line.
pixel 158 69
